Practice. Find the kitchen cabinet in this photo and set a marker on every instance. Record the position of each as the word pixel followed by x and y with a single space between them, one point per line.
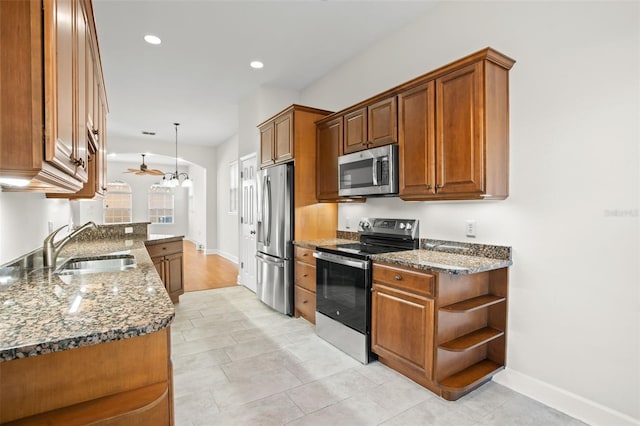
pixel 454 131
pixel 444 331
pixel 402 318
pixel 305 284
pixel 329 147
pixel 44 139
pixel 167 257
pixel 370 126
pixel 311 219
pixel 276 140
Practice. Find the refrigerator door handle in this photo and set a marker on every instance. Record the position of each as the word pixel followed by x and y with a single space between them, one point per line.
pixel 264 259
pixel 267 198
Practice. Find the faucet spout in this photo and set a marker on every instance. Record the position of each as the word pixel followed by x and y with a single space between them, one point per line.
pixel 50 250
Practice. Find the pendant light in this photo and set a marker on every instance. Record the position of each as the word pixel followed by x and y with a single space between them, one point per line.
pixel 174 178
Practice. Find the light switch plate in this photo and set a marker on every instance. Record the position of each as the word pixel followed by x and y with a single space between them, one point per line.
pixel 128 230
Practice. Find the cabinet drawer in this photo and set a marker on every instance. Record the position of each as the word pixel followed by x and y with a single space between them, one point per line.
pixel 405 278
pixel 305 303
pixel 305 255
pixel 161 249
pixel 305 276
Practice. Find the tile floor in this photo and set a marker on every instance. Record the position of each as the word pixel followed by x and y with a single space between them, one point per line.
pixel 237 362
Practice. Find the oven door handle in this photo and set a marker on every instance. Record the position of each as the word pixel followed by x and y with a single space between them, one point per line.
pixel 354 263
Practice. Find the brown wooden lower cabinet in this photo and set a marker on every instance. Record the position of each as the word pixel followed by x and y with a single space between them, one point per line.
pixel 167 258
pixel 444 331
pixel 126 382
pixel 305 284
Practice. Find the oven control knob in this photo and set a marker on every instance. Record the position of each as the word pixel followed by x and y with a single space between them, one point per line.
pixel 409 226
pixel 364 225
pixel 402 225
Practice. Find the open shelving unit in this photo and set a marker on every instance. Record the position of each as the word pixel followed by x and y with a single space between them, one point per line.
pixel 471 330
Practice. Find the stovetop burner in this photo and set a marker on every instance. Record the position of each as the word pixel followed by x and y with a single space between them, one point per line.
pixel 379 236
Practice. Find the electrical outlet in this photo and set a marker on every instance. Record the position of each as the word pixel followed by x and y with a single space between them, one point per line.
pixel 470 228
pixel 128 230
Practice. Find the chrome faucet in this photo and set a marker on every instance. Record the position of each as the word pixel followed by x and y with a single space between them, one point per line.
pixel 50 250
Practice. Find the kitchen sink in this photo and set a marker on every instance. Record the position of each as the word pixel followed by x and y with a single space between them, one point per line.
pixel 96 264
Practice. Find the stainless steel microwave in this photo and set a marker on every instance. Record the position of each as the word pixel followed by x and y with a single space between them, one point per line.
pixel 372 172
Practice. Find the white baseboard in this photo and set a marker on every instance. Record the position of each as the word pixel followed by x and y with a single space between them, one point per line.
pixel 227 256
pixel 569 403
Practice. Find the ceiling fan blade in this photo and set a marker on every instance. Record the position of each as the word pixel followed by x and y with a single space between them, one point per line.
pixel 155 172
pixel 132 171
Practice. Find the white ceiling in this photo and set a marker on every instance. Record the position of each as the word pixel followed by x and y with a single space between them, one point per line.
pixel 200 72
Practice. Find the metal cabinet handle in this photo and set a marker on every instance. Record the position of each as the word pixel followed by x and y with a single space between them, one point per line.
pixel 95 131
pixel 398 277
pixel 428 186
pixel 305 301
pixel 438 186
pixel 305 254
pixel 305 275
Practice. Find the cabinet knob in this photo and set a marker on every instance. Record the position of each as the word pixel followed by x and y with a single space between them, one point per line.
pixel 305 254
pixel 438 186
pixel 304 301
pixel 305 275
pixel 398 277
pixel 428 186
pixel 95 131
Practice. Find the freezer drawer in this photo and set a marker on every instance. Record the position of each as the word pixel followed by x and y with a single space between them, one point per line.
pixel 275 284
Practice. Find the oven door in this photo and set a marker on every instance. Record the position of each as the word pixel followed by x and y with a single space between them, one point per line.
pixel 342 289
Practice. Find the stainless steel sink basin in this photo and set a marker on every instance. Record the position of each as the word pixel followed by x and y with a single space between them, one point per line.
pixel 95 264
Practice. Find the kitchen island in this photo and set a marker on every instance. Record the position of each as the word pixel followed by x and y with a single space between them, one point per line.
pixel 83 348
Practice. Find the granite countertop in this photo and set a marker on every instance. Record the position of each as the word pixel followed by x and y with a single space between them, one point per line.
pixel 440 261
pixel 312 244
pixel 41 312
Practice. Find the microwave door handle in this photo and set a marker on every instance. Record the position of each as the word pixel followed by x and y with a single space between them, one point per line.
pixel 375 172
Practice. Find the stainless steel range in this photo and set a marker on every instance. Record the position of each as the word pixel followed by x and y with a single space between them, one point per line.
pixel 343 282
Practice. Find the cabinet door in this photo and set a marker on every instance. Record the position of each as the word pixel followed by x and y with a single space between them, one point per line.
pixel 158 262
pixel 329 141
pixel 382 123
pixel 416 145
pixel 355 131
pixel 266 145
pixel 59 25
pixel 283 143
pixel 83 58
pixel 459 138
pixel 402 328
pixel 174 275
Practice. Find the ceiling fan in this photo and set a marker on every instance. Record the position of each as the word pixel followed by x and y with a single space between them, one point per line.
pixel 144 170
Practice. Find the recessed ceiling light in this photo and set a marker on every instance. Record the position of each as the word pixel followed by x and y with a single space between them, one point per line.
pixel 151 39
pixel 256 64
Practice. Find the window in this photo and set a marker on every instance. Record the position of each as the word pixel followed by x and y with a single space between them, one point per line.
pixel 233 188
pixel 117 203
pixel 160 204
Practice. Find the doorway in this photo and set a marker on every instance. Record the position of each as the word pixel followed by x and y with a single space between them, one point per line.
pixel 248 168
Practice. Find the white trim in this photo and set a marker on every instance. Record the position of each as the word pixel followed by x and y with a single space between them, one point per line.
pixel 246 157
pixel 574 405
pixel 227 256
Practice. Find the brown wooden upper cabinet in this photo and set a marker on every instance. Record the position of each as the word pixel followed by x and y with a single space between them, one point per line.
pixel 47 47
pixel 329 148
pixel 276 140
pixel 370 126
pixel 454 131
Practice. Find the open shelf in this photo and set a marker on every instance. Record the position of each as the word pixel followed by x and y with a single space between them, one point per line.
pixel 471 376
pixel 472 340
pixel 474 303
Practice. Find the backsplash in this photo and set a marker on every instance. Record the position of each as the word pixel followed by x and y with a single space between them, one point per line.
pixel 454 247
pixel 114 231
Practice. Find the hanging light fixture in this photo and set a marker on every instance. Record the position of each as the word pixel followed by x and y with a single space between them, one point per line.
pixel 174 178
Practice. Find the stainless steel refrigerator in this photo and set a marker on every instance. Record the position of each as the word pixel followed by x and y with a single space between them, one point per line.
pixel 274 240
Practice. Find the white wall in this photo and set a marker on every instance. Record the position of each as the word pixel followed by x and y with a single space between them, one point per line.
pixel 139 198
pixel 227 238
pixel 199 155
pixel 197 223
pixel 24 221
pixel 572 216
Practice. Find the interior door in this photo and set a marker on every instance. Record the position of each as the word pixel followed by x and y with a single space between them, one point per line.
pixel 248 223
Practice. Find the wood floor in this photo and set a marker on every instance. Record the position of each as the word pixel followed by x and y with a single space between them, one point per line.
pixel 204 272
